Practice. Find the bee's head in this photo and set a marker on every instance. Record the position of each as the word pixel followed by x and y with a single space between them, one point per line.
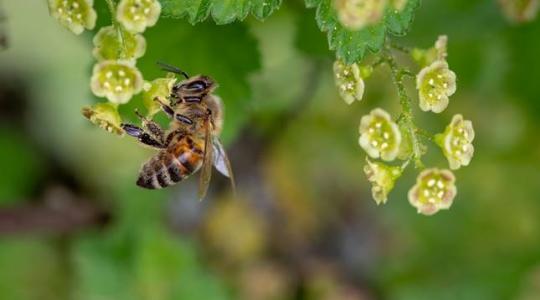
pixel 193 89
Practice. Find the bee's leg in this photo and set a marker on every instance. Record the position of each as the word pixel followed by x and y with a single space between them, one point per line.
pixel 142 136
pixel 151 127
pixel 169 111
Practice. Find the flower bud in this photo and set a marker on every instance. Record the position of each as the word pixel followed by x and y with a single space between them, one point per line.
pixel 382 178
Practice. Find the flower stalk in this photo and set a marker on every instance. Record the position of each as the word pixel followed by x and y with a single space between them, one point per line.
pixel 406 117
pixel 118 27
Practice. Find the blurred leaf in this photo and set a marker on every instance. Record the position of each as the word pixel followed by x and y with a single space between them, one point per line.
pixel 352 46
pixel 223 12
pixel 20 161
pixel 31 269
pixel 168 268
pixel 226 53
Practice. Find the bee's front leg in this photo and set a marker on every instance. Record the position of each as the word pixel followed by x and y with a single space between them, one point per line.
pixel 142 136
pixel 152 128
pixel 169 111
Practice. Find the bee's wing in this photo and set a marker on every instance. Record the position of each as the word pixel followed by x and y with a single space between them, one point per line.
pixel 206 172
pixel 221 161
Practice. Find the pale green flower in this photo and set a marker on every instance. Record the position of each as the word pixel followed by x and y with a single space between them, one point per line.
pixel 104 115
pixel 116 80
pixel 136 15
pixel 382 178
pixel 520 11
pixel 107 46
pixel 435 83
pixel 379 135
pixel 348 81
pixel 398 5
pixel 456 142
pixel 76 15
pixel 434 190
pixel 357 14
pixel 160 88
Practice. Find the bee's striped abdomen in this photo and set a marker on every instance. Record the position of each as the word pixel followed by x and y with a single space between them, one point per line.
pixel 171 166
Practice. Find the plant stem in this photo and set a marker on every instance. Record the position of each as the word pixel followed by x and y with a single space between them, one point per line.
pixel 406 116
pixel 118 27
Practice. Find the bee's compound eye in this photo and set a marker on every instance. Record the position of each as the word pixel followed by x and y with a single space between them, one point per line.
pixel 198 85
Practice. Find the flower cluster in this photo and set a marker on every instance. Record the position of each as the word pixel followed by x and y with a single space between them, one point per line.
pixel 116 49
pixel 76 15
pixel 383 138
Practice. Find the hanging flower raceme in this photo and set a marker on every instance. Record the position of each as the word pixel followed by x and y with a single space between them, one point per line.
pixel 382 178
pixel 104 115
pixel 159 88
pixel 434 190
pixel 348 81
pixel 357 14
pixel 456 142
pixel 136 15
pixel 107 45
pixel 379 135
pixel 76 15
pixel 435 83
pixel 116 80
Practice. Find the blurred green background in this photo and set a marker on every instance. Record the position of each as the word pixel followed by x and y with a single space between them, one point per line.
pixel 73 225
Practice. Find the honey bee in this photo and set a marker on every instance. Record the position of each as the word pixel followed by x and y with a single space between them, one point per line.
pixel 192 141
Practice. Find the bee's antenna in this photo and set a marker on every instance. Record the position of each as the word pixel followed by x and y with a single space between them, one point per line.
pixel 171 68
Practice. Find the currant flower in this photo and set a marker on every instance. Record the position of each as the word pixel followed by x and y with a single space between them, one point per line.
pixel 349 81
pixel 76 15
pixel 456 142
pixel 379 135
pixel 425 57
pixel 434 190
pixel 520 11
pixel 159 88
pixel 435 83
pixel 136 15
pixel 357 14
pixel 382 178
pixel 116 80
pixel 104 115
pixel 107 45
pixel 398 5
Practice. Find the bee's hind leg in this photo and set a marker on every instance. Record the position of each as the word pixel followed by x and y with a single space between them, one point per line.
pixel 142 136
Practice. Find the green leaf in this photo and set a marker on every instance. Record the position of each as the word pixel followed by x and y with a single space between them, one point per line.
pixel 222 11
pixel 352 46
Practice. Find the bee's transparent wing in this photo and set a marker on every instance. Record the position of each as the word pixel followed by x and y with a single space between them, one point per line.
pixel 206 172
pixel 221 161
